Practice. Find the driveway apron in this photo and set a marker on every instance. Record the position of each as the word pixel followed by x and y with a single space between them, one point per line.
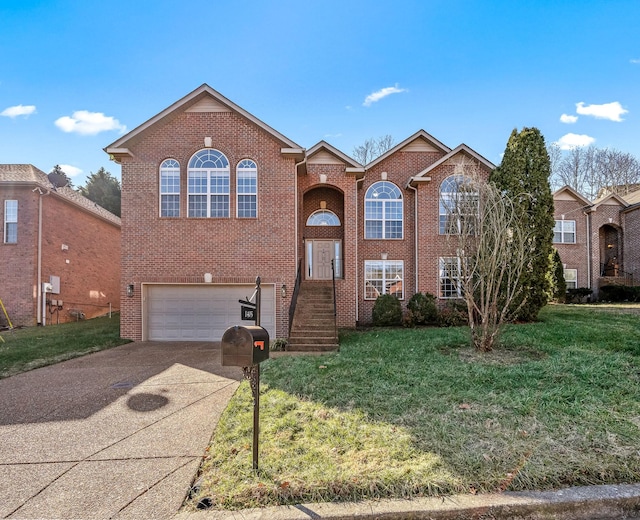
pixel 115 434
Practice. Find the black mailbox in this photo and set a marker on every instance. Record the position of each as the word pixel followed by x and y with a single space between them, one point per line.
pixel 243 346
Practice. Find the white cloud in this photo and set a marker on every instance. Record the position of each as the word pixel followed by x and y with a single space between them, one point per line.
pixel 19 110
pixel 611 111
pixel 71 171
pixel 635 61
pixel 566 118
pixel 382 93
pixel 570 141
pixel 89 123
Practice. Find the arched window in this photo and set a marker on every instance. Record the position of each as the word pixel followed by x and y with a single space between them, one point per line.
pixel 323 217
pixel 170 188
pixel 247 189
pixel 208 184
pixel 383 211
pixel 458 204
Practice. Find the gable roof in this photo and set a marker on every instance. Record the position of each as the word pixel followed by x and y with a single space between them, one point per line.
pixel 572 193
pixel 461 149
pixel 633 197
pixel 420 137
pixel 613 199
pixel 202 99
pixel 323 151
pixel 29 175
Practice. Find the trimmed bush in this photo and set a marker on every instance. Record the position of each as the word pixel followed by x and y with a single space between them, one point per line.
pixel 421 310
pixel 619 293
pixel 387 311
pixel 453 314
pixel 578 295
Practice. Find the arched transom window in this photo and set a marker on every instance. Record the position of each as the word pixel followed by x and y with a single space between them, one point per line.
pixel 323 217
pixel 208 184
pixel 383 211
pixel 170 188
pixel 247 189
pixel 458 204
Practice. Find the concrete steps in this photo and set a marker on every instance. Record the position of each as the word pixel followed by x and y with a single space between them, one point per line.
pixel 313 327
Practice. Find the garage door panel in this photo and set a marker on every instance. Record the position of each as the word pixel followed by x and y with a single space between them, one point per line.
pixel 201 313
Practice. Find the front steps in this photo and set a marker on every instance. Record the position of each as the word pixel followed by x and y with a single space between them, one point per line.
pixel 313 327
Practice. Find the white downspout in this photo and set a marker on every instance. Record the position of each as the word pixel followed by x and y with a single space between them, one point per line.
pixel 295 224
pixel 415 230
pixel 589 275
pixel 357 266
pixel 39 299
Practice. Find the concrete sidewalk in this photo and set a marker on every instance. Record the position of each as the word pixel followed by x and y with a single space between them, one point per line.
pixel 115 434
pixel 121 433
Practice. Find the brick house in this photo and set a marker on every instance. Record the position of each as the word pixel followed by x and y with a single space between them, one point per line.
pixel 54 236
pixel 213 197
pixel 599 241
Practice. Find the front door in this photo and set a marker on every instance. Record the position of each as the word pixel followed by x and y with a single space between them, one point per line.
pixel 319 256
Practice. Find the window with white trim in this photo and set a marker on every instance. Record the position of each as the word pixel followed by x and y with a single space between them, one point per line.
pixel 323 217
pixel 450 276
pixel 247 189
pixel 564 232
pixel 383 211
pixel 571 278
pixel 383 277
pixel 458 205
pixel 170 188
pixel 208 184
pixel 10 221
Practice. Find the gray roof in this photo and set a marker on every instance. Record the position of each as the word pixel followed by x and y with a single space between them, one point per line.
pixel 28 174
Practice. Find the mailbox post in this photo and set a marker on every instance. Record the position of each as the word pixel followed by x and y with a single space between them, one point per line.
pixel 247 347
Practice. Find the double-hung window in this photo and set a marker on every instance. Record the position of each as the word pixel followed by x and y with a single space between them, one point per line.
pixel 450 276
pixel 571 278
pixel 208 184
pixel 10 221
pixel 170 188
pixel 458 206
pixel 564 232
pixel 383 277
pixel 247 189
pixel 383 211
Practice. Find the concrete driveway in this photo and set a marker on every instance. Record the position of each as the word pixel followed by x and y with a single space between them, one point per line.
pixel 115 434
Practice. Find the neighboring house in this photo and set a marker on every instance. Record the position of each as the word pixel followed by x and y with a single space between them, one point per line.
pixel 213 197
pixel 599 241
pixel 60 252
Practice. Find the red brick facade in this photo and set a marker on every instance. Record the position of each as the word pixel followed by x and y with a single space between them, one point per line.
pixel 607 239
pixel 293 183
pixel 60 234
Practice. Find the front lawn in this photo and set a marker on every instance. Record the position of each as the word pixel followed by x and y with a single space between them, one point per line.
pixel 33 347
pixel 402 413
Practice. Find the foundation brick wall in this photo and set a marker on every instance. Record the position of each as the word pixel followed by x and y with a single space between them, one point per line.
pixel 574 255
pixel 89 281
pixel 19 261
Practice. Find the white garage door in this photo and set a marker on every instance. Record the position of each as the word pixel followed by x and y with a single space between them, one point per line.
pixel 202 312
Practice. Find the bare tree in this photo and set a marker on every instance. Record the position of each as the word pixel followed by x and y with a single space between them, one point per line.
pixel 594 172
pixel 373 148
pixel 619 172
pixel 490 253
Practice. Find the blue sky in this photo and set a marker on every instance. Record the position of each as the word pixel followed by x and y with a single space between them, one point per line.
pixel 75 74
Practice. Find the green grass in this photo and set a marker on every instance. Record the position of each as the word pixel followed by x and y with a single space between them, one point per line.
pixel 402 413
pixel 33 347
